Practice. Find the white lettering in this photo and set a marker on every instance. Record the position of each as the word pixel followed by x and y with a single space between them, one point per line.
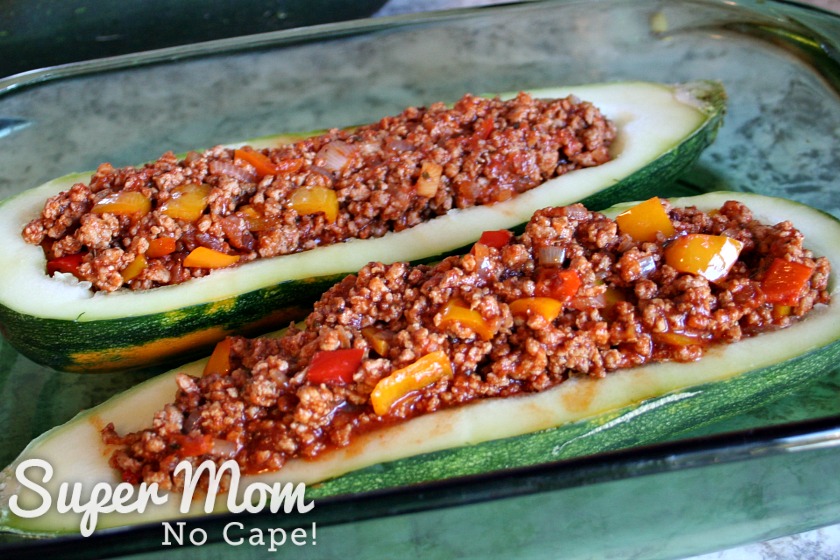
pixel 274 542
pixel 125 497
pixel 250 503
pixel 100 498
pixel 191 479
pixel 256 495
pixel 292 497
pixel 104 498
pixel 299 536
pixel 46 499
pixel 227 538
pixel 257 538
pixel 63 505
pixel 202 536
pixel 145 493
pixel 179 536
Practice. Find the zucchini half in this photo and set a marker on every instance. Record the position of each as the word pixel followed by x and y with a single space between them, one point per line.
pixel 661 131
pixel 579 417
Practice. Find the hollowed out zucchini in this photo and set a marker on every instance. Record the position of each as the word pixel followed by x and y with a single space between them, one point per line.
pixel 661 130
pixel 579 417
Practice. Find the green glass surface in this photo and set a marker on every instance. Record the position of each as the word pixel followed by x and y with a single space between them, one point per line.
pixel 697 492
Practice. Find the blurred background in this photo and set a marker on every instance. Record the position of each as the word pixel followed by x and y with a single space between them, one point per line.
pixel 40 33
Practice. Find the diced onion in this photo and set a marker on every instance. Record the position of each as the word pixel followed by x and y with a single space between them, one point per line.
pixel 399 145
pixel 192 421
pixel 230 169
pixel 647 264
pixel 551 256
pixel 576 212
pixel 224 448
pixel 335 155
pixel 325 173
pixel 483 266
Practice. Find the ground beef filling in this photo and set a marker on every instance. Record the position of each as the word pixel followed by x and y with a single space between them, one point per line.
pixel 626 308
pixel 325 189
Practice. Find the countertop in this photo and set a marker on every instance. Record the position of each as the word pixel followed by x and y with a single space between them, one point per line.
pixel 819 544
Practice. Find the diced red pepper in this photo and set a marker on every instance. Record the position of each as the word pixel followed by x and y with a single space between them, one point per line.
pixel 67 263
pixel 484 127
pixel 785 281
pixel 482 130
pixel 560 284
pixel 496 239
pixel 193 446
pixel 219 362
pixel 335 366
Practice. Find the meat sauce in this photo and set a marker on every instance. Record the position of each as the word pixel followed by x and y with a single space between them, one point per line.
pixel 175 219
pixel 574 295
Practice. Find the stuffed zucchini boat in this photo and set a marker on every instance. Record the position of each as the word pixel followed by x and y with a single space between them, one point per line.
pixel 584 334
pixel 62 322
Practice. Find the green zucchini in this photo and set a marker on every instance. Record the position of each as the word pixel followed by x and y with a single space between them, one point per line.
pixel 661 131
pixel 579 417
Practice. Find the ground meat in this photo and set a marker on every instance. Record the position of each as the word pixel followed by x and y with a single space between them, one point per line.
pixel 384 177
pixel 626 307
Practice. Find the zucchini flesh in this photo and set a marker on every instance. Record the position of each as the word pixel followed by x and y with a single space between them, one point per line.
pixel 578 417
pixel 661 131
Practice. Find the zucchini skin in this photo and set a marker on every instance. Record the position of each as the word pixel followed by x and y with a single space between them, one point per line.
pixel 663 400
pixel 645 423
pixel 146 341
pixel 150 340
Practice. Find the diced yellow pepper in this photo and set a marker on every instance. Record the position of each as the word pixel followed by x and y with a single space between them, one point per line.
pixel 456 312
pixel 378 340
pixel 710 256
pixel 256 221
pixel 677 338
pixel 429 369
pixel 123 203
pixel 643 221
pixel 780 311
pixel 134 268
pixel 202 257
pixel 548 308
pixel 314 199
pixel 187 202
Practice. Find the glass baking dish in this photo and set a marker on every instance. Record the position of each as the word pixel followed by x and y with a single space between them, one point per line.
pixel 752 477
